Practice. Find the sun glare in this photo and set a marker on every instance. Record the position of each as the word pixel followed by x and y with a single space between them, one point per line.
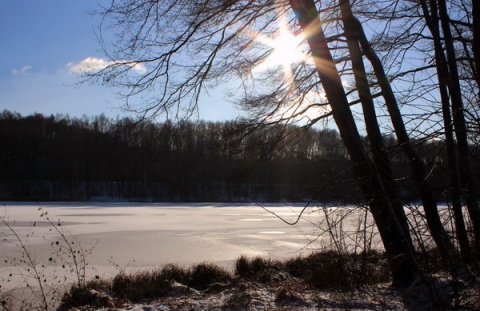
pixel 286 51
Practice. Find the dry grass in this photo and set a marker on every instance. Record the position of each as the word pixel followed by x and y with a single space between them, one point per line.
pixel 333 271
pixel 322 271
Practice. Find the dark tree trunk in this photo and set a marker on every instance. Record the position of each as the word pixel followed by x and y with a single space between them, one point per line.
pixel 380 157
pixel 476 39
pixel 435 225
pixel 442 72
pixel 455 191
pixel 405 270
pixel 459 121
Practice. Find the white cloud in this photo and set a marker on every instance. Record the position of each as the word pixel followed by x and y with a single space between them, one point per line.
pixel 22 71
pixel 89 64
pixel 92 64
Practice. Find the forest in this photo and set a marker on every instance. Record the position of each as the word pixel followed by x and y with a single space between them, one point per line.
pixel 51 158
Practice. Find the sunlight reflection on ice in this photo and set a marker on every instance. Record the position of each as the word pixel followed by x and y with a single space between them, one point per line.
pixel 272 232
pixel 251 219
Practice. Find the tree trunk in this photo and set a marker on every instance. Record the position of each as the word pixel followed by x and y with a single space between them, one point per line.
pixel 442 73
pixel 405 270
pixel 380 157
pixel 442 240
pixel 459 122
pixel 476 40
pixel 455 191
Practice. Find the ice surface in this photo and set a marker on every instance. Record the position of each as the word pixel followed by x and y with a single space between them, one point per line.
pixel 136 236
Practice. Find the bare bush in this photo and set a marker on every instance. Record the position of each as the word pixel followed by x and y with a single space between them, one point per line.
pixel 35 280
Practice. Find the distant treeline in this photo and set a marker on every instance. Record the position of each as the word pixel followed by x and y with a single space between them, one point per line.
pixel 62 158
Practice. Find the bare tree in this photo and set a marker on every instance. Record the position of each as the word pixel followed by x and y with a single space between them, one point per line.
pixel 419 26
pixel 438 21
pixel 476 38
pixel 404 268
pixel 355 35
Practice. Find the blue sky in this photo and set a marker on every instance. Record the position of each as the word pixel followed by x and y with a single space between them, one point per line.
pixel 40 42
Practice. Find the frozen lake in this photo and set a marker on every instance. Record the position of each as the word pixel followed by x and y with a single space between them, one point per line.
pixel 134 236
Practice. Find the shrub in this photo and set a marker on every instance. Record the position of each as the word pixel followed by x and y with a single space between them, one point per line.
pixel 204 275
pixel 140 286
pixel 66 254
pixel 334 271
pixel 159 283
pixel 257 269
pixel 87 294
pixel 175 273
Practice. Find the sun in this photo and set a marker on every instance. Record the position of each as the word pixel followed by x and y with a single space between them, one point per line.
pixel 285 50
